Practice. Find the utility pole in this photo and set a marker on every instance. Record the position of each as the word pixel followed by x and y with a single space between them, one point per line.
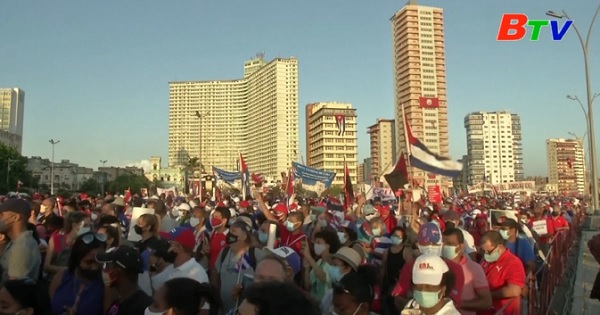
pixel 8 164
pixel 103 177
pixel 200 117
pixel 52 142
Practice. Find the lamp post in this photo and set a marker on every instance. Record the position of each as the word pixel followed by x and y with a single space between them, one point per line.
pixel 8 164
pixel 200 116
pixel 103 177
pixel 590 112
pixel 52 142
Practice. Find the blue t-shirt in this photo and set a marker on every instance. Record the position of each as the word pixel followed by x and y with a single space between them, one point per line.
pixel 522 249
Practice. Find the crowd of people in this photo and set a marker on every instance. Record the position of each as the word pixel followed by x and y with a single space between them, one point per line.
pixel 256 256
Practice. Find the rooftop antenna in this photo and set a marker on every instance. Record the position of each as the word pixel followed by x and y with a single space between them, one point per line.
pixel 260 55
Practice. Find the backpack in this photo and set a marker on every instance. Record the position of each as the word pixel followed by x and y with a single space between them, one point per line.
pixel 251 256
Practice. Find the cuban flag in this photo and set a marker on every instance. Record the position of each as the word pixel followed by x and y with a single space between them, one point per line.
pixel 422 158
pixel 340 121
pixel 245 177
pixel 244 263
pixel 289 189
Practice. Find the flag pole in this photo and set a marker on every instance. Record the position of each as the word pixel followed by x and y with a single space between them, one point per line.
pixel 409 166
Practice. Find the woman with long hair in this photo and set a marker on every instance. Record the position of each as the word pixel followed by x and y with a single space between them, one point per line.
pixel 59 246
pixel 184 296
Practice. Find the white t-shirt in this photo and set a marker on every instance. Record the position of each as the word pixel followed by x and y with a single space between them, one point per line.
pixel 190 269
pixel 469 242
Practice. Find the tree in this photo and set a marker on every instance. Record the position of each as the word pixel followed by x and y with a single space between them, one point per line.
pixel 18 170
pixel 129 181
pixel 91 186
pixel 334 191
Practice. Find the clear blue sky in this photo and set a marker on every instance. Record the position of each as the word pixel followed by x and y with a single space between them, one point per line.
pixel 96 73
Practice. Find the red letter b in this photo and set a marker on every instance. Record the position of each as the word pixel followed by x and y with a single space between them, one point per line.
pixel 506 26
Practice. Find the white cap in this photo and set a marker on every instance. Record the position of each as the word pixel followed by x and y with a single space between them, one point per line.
pixel 184 207
pixel 428 269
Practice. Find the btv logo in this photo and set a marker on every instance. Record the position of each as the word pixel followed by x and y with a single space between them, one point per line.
pixel 512 27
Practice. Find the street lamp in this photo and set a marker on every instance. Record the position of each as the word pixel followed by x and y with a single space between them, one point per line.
pixel 52 142
pixel 590 113
pixel 200 116
pixel 103 176
pixel 8 164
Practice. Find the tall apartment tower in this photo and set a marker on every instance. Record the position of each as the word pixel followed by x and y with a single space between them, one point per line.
pixel 494 147
pixel 566 165
pixel 12 107
pixel 331 138
pixel 256 115
pixel 420 82
pixel 383 146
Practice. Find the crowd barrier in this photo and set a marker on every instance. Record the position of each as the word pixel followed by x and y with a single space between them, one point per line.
pixel 543 284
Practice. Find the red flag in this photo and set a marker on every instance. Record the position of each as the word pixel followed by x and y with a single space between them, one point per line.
pixel 398 177
pixel 348 189
pixel 257 179
pixel 429 102
pixel 289 189
pixel 127 196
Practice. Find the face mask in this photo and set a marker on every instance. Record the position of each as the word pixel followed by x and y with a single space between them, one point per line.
pixel 216 222
pixel 376 232
pixel 355 311
pixel 263 237
pixel 138 229
pixel 319 249
pixel 194 221
pixel 94 216
pixel 149 312
pixel 90 274
pixel 431 250
pixel 426 299
pixel 396 240
pixel 504 234
pixel 322 222
pixel 335 274
pixel 289 226
pixel 108 278
pixel 342 237
pixel 313 217
pixel 449 252
pixel 493 257
pixel 230 238
pixel 175 212
pixel 83 230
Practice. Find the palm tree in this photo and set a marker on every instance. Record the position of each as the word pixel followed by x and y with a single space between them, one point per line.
pixel 190 168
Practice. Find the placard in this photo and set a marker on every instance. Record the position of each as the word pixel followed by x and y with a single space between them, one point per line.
pixel 135 214
pixel 540 227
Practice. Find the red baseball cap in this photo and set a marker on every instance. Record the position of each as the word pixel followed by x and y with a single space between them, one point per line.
pixel 182 235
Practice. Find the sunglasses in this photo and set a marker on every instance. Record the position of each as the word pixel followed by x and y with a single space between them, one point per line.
pixel 90 237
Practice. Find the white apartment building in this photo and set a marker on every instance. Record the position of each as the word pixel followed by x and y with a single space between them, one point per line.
pixel 566 165
pixel 256 115
pixel 494 147
pixel 326 147
pixel 382 136
pixel 12 108
pixel 419 75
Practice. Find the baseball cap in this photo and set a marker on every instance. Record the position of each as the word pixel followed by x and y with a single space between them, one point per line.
pixel 280 209
pixel 182 235
pixel 451 215
pixel 429 233
pixel 349 256
pixel 429 269
pixel 368 209
pixel 510 223
pixel 184 207
pixel 15 205
pixel 292 258
pixel 125 257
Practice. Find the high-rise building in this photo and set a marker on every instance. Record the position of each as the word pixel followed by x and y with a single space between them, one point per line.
pixel 256 115
pixel 331 138
pixel 383 146
pixel 566 165
pixel 420 83
pixel 12 108
pixel 494 147
pixel 360 173
pixel 369 178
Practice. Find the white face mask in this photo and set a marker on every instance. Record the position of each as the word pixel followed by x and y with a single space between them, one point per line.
pixel 431 250
pixel 342 237
pixel 94 216
pixel 194 221
pixel 319 249
pixel 149 312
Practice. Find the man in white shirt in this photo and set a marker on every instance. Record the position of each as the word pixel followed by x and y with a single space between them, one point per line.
pixel 452 219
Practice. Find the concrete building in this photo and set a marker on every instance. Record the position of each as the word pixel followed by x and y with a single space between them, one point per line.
pixel 460 183
pixel 368 173
pixel 566 165
pixel 331 138
pixel 112 172
pixel 420 82
pixel 383 146
pixel 167 176
pixel 360 173
pixel 494 147
pixel 67 175
pixel 12 109
pixel 256 115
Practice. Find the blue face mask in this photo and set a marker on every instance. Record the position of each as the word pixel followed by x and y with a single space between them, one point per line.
pixel 289 226
pixel 426 299
pixel 396 240
pixel 263 237
pixel 335 274
pixel 376 232
pixel 313 217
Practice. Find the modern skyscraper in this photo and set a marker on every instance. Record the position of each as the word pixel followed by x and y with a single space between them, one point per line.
pixel 494 147
pixel 566 165
pixel 331 138
pixel 383 146
pixel 12 107
pixel 420 82
pixel 256 115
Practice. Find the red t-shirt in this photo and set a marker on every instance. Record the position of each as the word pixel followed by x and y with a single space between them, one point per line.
pixel 508 269
pixel 558 222
pixel 549 228
pixel 294 241
pixel 404 283
pixel 217 243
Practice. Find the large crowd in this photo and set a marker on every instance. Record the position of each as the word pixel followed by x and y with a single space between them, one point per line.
pixel 89 255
